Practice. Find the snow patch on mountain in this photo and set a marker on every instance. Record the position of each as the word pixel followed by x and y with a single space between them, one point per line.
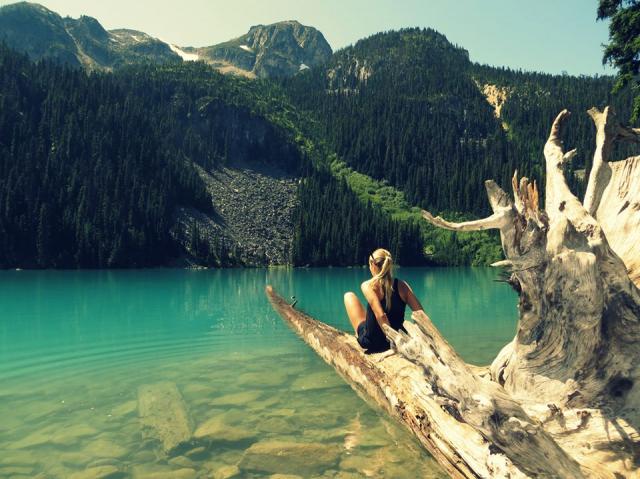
pixel 187 57
pixel 246 48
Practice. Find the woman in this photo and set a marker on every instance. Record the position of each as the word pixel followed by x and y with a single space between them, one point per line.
pixel 386 297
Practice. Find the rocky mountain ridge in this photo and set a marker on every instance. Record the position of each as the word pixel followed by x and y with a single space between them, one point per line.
pixel 276 50
pixel 83 42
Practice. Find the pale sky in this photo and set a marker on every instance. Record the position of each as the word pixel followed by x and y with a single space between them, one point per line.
pixel 542 35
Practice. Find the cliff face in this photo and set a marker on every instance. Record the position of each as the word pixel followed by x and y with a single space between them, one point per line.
pixel 276 50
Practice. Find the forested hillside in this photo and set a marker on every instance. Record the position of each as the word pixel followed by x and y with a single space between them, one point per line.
pixel 408 107
pixel 117 169
pixel 533 100
pixel 330 231
pixel 93 168
pixel 90 168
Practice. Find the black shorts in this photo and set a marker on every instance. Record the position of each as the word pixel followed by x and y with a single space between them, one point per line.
pixel 362 335
pixel 367 344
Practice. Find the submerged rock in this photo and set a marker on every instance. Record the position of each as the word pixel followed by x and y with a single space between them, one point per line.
pixel 319 380
pixel 34 439
pixel 227 472
pixel 184 473
pixel 17 458
pixel 104 448
pixel 100 472
pixel 13 471
pixel 282 457
pixel 235 399
pixel 163 415
pixel 263 378
pixel 196 452
pixel 55 434
pixel 71 434
pixel 181 461
pixel 105 461
pixel 76 459
pixel 217 429
pixel 276 425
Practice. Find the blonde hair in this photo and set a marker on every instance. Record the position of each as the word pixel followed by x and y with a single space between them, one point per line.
pixel 382 259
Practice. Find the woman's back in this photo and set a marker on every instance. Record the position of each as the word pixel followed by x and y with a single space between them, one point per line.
pixel 387 298
pixel 374 336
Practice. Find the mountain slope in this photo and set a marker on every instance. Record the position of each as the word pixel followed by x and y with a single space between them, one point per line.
pixel 531 100
pixel 175 164
pixel 112 170
pixel 398 121
pixel 398 106
pixel 408 107
pixel 411 117
pixel 280 49
pixel 41 33
pixel 37 31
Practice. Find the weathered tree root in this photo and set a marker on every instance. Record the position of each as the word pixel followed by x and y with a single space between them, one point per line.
pixel 562 398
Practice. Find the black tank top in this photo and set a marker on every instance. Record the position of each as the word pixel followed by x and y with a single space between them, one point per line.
pixel 374 338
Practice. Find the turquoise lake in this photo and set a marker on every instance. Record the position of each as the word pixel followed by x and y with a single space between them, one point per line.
pixel 76 347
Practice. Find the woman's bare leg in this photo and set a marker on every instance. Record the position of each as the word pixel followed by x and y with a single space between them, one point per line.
pixel 354 308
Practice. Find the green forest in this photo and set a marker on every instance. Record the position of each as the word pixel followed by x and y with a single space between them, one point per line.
pixel 93 166
pixel 420 121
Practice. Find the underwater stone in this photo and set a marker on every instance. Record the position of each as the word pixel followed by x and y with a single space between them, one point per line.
pixel 282 457
pixel 163 415
pixel 101 472
pixel 181 461
pixel 185 473
pixel 218 429
pixel 236 399
pixel 227 472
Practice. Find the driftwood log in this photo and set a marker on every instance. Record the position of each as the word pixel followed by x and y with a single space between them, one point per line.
pixel 562 398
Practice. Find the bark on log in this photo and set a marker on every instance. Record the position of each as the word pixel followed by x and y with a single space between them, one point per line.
pixel 562 399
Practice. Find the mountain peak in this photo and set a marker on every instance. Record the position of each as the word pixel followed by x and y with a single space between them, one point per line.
pixel 38 32
pixel 29 6
pixel 282 22
pixel 275 50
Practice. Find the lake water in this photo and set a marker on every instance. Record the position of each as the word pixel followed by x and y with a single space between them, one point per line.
pixel 78 347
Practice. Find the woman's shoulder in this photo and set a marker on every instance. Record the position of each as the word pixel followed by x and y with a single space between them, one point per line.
pixel 402 286
pixel 366 284
pixel 370 285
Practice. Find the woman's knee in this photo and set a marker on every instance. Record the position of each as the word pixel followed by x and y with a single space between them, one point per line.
pixel 349 296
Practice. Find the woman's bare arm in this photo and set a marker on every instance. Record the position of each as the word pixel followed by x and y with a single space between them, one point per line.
pixel 406 293
pixel 374 302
